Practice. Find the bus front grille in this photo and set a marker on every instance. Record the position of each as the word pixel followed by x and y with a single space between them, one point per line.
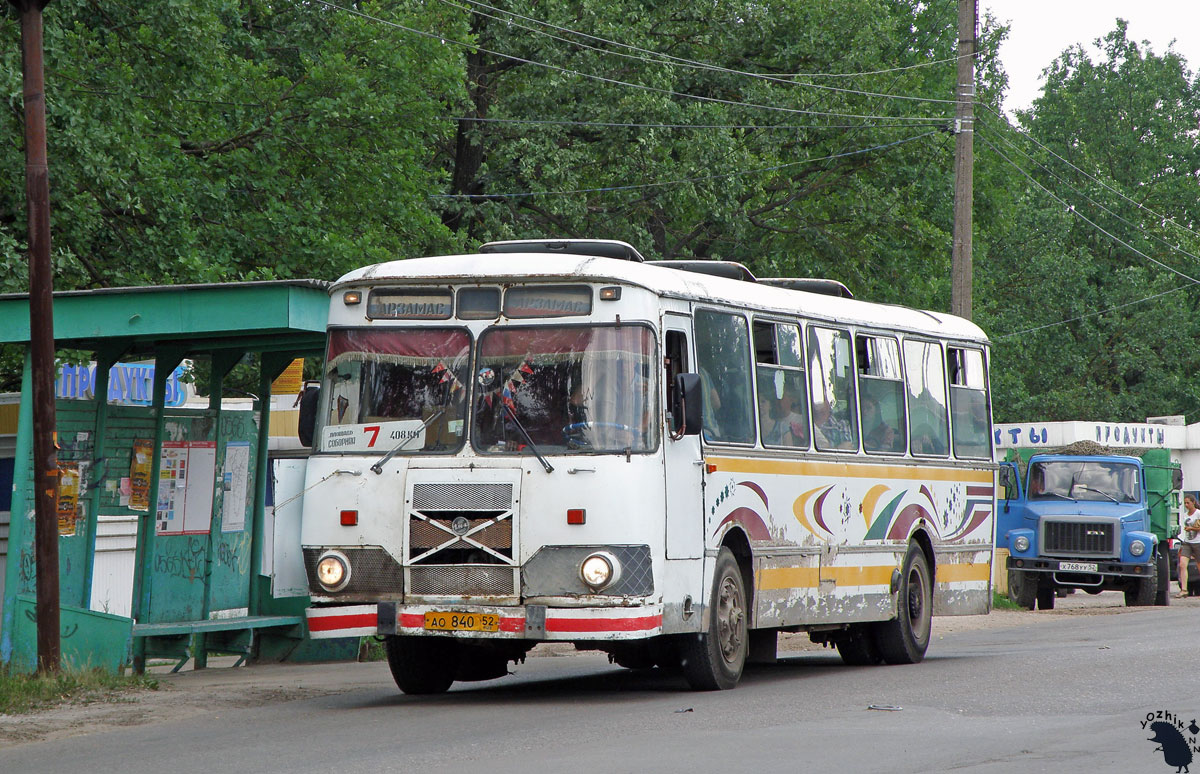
pixel 462 581
pixel 461 524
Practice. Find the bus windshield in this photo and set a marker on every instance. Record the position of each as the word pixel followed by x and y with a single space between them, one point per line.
pixel 388 387
pixel 565 389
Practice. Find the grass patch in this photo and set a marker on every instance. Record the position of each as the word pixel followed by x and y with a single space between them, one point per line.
pixel 21 693
pixel 1002 602
pixel 372 649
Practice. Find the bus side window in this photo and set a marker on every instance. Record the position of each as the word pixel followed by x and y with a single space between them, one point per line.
pixel 675 362
pixel 925 377
pixel 723 359
pixel 881 394
pixel 831 379
pixel 781 386
pixel 968 402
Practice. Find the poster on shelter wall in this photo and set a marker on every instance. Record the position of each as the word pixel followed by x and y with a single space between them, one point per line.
pixel 187 472
pixel 236 478
pixel 139 475
pixel 68 498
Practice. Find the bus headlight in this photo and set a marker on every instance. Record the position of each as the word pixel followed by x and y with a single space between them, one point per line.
pixel 1021 543
pixel 333 571
pixel 599 570
pixel 1137 548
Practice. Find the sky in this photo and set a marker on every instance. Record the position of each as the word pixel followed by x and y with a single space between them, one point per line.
pixel 1042 29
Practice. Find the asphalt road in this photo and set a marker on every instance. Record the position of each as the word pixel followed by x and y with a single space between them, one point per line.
pixel 1062 695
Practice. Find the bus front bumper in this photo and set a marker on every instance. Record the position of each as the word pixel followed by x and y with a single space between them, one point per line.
pixel 524 622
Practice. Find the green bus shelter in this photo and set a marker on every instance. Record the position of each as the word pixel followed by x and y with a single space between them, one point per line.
pixel 194 479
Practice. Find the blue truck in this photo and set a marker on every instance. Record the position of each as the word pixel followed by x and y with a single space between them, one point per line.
pixel 1092 522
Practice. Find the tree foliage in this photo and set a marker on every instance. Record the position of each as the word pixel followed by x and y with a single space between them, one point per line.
pixel 214 140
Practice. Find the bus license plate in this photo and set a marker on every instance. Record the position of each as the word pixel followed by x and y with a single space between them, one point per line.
pixel 462 622
pixel 1078 567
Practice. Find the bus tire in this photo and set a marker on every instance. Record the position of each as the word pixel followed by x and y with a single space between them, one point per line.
pixel 905 638
pixel 857 646
pixel 1022 588
pixel 714 660
pixel 422 665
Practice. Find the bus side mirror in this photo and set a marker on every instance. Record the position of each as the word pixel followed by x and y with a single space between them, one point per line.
pixel 1176 478
pixel 687 408
pixel 307 424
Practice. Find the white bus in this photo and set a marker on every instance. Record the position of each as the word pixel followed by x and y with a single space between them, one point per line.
pixel 667 461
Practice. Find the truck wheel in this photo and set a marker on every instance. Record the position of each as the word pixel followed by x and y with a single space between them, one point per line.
pixel 1141 592
pixel 1162 594
pixel 422 665
pixel 904 639
pixel 1022 588
pixel 714 660
pixel 857 646
pixel 1045 596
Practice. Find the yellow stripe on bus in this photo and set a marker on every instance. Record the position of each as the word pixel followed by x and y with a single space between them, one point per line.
pixel 956 573
pixel 846 470
pixel 775 578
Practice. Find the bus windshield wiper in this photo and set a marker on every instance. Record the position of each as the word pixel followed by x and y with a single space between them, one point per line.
pixel 533 446
pixel 377 468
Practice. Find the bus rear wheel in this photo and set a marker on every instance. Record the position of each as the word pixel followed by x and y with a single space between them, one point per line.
pixel 714 660
pixel 905 638
pixel 422 665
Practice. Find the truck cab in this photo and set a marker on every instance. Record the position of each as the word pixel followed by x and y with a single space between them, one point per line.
pixel 1088 522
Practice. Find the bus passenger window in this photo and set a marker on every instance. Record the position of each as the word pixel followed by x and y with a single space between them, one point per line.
pixel 723 358
pixel 831 380
pixel 968 402
pixel 925 377
pixel 782 391
pixel 881 395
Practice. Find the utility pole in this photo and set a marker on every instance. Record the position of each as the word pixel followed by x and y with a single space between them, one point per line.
pixel 964 160
pixel 41 337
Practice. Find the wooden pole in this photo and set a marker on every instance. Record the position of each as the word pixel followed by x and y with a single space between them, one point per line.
pixel 964 159
pixel 41 337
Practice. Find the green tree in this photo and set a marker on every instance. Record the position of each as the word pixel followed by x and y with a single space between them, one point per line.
pixel 1089 286
pixel 216 140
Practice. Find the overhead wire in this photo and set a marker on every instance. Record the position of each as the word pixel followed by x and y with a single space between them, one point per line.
pixel 1176 248
pixel 1162 218
pixel 612 81
pixel 702 178
pixel 669 59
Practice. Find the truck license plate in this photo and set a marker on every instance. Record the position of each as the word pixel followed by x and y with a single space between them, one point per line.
pixel 1078 567
pixel 462 622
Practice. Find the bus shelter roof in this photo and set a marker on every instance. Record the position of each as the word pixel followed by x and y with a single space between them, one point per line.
pixel 274 316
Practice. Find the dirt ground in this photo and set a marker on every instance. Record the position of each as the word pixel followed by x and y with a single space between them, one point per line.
pixel 221 688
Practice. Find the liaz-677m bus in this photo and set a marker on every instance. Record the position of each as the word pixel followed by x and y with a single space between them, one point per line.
pixel 671 462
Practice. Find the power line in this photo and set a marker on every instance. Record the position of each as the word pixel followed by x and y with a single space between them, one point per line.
pixel 680 60
pixel 1094 314
pixel 1162 218
pixel 621 125
pixel 1047 170
pixel 702 178
pixel 614 81
pixel 669 59
pixel 1071 209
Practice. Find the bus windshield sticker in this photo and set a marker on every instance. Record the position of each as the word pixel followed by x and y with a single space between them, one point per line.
pixel 377 436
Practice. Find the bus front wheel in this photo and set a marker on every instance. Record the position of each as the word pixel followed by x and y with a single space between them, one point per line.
pixel 714 660
pixel 904 639
pixel 422 665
